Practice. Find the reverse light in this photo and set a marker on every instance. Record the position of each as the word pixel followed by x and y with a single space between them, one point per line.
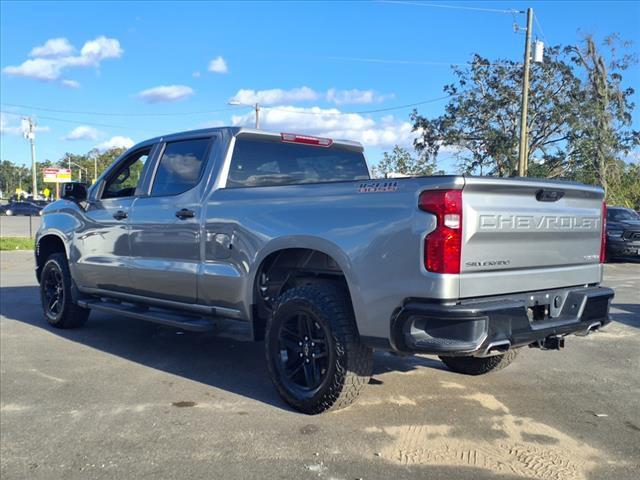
pixel 603 237
pixel 443 246
pixel 306 139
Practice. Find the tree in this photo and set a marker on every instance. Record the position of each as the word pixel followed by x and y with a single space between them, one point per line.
pixel 482 117
pixel 400 160
pixel 13 176
pixel 602 133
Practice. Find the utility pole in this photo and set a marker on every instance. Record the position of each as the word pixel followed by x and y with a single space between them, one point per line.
pixel 522 151
pixel 257 108
pixel 29 132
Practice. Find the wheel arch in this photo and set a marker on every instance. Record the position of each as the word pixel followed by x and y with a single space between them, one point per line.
pixel 324 258
pixel 46 245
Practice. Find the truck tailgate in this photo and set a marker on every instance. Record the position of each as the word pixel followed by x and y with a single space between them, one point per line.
pixel 521 235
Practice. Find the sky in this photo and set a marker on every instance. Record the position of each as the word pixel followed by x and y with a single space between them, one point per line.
pixel 105 74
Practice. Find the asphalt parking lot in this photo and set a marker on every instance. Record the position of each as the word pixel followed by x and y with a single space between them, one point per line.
pixel 127 399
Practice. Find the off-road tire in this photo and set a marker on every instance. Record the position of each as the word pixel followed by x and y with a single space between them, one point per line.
pixel 70 315
pixel 348 373
pixel 478 365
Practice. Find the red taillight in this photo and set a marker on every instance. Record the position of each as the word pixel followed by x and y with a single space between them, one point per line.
pixel 443 246
pixel 603 238
pixel 306 139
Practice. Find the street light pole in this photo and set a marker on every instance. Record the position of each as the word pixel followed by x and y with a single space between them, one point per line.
pixel 80 168
pixel 522 151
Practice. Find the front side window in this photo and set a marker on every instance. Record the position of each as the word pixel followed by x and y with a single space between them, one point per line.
pixel 180 167
pixel 127 177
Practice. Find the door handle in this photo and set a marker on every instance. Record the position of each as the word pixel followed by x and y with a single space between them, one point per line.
pixel 185 213
pixel 120 215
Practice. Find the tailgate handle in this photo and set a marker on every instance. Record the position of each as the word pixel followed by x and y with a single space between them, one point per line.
pixel 546 195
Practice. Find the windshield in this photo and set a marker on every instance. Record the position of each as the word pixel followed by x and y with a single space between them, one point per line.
pixel 621 215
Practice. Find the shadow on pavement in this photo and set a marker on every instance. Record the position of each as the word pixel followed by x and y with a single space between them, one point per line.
pixel 630 314
pixel 232 365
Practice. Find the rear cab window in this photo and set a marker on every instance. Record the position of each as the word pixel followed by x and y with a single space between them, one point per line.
pixel 263 162
pixel 180 167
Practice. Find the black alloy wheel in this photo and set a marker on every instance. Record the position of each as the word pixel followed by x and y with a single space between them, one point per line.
pixel 304 356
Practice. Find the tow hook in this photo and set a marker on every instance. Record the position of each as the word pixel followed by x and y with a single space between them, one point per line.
pixel 552 342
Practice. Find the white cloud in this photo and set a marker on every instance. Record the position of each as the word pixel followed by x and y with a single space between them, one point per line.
pixel 57 54
pixel 69 83
pixel 38 68
pixel 355 96
pixel 305 94
pixel 83 132
pixel 6 127
pixel 332 123
pixel 166 93
pixel 53 48
pixel 218 65
pixel 101 48
pixel 196 74
pixel 115 142
pixel 275 96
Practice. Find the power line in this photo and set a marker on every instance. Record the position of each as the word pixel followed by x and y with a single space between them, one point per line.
pixel 306 112
pixel 453 7
pixel 77 122
pixel 535 18
pixel 363 112
pixel 113 114
pixel 402 62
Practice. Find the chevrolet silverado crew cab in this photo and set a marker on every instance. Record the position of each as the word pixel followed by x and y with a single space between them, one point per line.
pixel 286 238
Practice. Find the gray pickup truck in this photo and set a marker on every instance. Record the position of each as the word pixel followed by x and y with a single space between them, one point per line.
pixel 286 238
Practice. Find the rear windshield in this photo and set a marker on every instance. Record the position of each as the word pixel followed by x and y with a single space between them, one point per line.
pixel 260 163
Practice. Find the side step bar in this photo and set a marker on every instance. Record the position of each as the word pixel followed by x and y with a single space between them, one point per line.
pixel 185 322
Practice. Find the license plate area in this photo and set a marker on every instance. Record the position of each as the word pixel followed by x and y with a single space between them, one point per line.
pixel 539 313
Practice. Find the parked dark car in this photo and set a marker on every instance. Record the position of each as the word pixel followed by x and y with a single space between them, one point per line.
pixel 21 208
pixel 623 233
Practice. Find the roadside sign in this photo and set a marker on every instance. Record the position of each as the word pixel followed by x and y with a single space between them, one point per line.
pixel 64 175
pixel 57 175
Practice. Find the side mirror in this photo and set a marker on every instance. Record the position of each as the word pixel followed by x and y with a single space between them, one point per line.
pixel 75 191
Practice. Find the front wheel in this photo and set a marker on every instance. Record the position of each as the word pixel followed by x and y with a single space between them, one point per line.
pixel 314 355
pixel 479 365
pixel 55 294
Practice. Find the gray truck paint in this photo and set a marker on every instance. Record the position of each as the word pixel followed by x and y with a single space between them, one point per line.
pixel 512 242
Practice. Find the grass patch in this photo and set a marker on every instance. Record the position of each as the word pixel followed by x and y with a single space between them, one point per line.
pixel 16 243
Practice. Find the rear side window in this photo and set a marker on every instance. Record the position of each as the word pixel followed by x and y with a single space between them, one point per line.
pixel 180 167
pixel 260 163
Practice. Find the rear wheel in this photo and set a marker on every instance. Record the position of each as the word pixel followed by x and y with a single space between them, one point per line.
pixel 55 294
pixel 479 365
pixel 314 355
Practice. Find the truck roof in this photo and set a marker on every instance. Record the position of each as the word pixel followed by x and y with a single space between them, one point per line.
pixel 235 131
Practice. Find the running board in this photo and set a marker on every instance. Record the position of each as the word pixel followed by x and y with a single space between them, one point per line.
pixel 150 314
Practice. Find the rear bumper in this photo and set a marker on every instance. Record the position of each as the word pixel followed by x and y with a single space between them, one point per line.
pixel 621 248
pixel 481 328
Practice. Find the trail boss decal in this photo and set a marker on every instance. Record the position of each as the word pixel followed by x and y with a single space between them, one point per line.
pixel 377 187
